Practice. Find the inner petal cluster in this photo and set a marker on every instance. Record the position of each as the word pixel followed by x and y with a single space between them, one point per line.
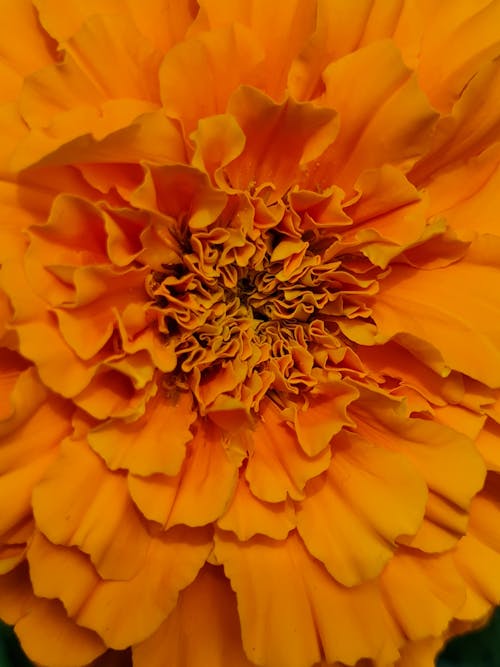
pixel 251 305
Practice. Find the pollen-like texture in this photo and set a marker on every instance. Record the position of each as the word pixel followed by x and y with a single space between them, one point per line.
pixel 249 330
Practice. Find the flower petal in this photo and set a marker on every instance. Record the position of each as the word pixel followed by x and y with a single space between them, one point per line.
pixel 446 459
pixel 299 130
pixel 277 466
pixel 247 515
pixel 99 517
pixel 448 309
pixel 145 446
pixel 352 515
pixel 207 468
pixel 389 105
pixel 121 612
pixel 48 636
pixel 198 75
pixel 292 611
pixel 202 631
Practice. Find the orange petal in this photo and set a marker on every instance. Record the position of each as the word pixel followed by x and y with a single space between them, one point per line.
pixel 85 79
pixel 446 459
pixel 281 27
pixel 465 133
pixel 16 594
pixel 201 491
pixel 420 653
pixel 81 503
pixel 468 195
pixel 478 553
pixel 299 130
pixel 277 466
pixel 423 592
pixel 324 416
pixel 218 141
pixel 343 26
pixel 292 611
pixel 460 37
pixel 353 514
pixel 247 515
pixel 145 446
pixel 390 104
pixel 121 612
pixel 48 636
pixel 202 631
pixel 425 307
pixel 181 192
pixel 198 75
pixel 17 60
pixel 394 361
pixel 123 138
pixel 29 441
pixel 487 443
pixel 162 22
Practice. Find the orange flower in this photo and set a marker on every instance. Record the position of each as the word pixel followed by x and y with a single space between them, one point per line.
pixel 250 356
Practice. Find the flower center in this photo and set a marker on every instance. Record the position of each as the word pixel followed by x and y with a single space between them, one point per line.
pixel 249 313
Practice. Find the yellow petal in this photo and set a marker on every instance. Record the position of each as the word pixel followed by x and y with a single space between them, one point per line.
pixel 202 631
pixel 81 503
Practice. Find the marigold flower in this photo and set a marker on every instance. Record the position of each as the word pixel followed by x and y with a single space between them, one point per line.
pixel 250 354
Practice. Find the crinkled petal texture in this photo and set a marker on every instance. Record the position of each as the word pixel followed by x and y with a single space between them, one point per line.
pixel 249 340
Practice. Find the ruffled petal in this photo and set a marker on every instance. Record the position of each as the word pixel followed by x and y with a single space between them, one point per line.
pixel 247 515
pixel 389 105
pixel 121 612
pixel 277 466
pixel 446 459
pixel 202 631
pixel 445 317
pixel 207 468
pixel 145 446
pixel 49 637
pixel 292 611
pixel 352 515
pixel 99 517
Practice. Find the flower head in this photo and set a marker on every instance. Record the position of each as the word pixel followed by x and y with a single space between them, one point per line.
pixel 249 358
